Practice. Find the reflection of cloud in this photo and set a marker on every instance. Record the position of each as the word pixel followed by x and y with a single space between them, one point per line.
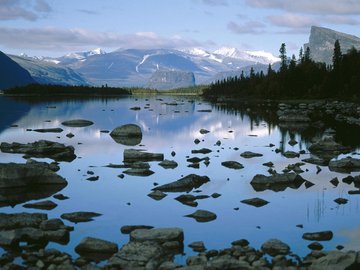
pixel 353 236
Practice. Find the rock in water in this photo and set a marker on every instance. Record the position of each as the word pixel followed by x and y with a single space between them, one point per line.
pixel 345 165
pixel 41 149
pixel 160 235
pixel 257 202
pixel 184 184
pixel 90 247
pixel 232 165
pixel 77 123
pixel 135 155
pixel 80 216
pixel 202 216
pixel 277 182
pixel 275 247
pixel 249 154
pixel 318 236
pixel 127 229
pixel 129 134
pixel 44 205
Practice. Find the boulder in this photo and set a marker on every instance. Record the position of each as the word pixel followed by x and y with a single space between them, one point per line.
pixel 277 182
pixel 129 134
pixel 257 202
pixel 275 247
pixel 232 165
pixel 184 184
pixel 77 123
pixel 336 260
pixel 19 220
pixel 134 155
pixel 197 246
pixel 157 195
pixel 44 205
pixel 80 216
pixel 249 154
pixel 90 247
pixel 201 151
pixel 160 235
pixel 326 148
pixel 138 172
pixel 346 165
pixel 318 236
pixel 168 164
pixel 202 216
pixel 41 149
pixel 127 229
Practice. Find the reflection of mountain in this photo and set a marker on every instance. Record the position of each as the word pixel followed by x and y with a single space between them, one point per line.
pixel 11 111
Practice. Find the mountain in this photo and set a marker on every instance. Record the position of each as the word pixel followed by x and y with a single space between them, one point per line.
pixel 12 74
pixel 321 43
pixel 135 67
pixel 171 79
pixel 44 71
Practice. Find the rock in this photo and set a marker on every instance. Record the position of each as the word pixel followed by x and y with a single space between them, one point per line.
pixel 168 164
pixel 93 178
pixel 138 172
pixel 77 123
pixel 127 229
pixel 318 236
pixel 257 202
pixel 345 165
pixel 315 246
pixel 133 155
pixel 227 262
pixel 204 131
pixel 268 164
pixel 158 235
pixel 49 130
pixel 201 151
pixel 241 243
pixel 249 154
pixel 157 195
pixel 202 216
pixel 341 201
pixel 19 220
pixel 41 149
pixel 317 161
pixel 80 216
pixel 197 246
pixel 335 260
pixel 334 181
pixel 275 247
pixel 328 147
pixel 232 165
pixel 90 247
pixel 215 195
pixel 52 224
pixel 70 135
pixel 129 134
pixel 44 205
pixel 276 182
pixel 291 154
pixel 292 142
pixel 184 184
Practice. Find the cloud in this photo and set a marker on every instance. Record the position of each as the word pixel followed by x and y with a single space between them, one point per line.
pixel 338 19
pixel 57 39
pixel 214 2
pixel 30 10
pixel 250 27
pixel 310 6
pixel 292 21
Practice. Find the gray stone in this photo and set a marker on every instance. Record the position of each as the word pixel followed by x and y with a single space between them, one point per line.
pixel 257 202
pixel 129 134
pixel 249 154
pixel 232 165
pixel 204 131
pixel 48 130
pixel 197 246
pixel 160 235
pixel 127 229
pixel 91 246
pixel 77 123
pixel 318 236
pixel 184 184
pixel 335 260
pixel 168 164
pixel 202 216
pixel 80 216
pixel 347 164
pixel 157 195
pixel 134 155
pixel 201 151
pixel 277 182
pixel 44 205
pixel 138 172
pixel 275 247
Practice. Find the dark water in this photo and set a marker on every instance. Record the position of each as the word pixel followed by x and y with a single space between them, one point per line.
pixel 167 127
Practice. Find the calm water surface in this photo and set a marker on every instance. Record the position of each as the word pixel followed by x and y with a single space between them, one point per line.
pixel 168 128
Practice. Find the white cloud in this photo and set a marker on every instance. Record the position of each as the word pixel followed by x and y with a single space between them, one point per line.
pixel 250 27
pixel 214 2
pixel 292 20
pixel 58 39
pixel 310 6
pixel 29 10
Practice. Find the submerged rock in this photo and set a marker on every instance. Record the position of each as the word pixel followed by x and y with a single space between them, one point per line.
pixel 48 130
pixel 77 123
pixel 202 216
pixel 249 154
pixel 127 229
pixel 201 151
pixel 318 236
pixel 80 216
pixel 94 248
pixel 345 165
pixel 129 134
pixel 168 164
pixel 277 182
pixel 275 247
pixel 44 205
pixel 184 184
pixel 133 155
pixel 41 149
pixel 232 165
pixel 138 172
pixel 257 202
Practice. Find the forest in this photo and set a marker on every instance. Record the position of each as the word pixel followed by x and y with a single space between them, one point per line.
pixel 298 78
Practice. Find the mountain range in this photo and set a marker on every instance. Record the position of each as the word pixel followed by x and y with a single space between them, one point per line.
pixel 168 68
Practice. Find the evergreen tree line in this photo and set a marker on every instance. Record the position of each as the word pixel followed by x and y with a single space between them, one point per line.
pixel 298 78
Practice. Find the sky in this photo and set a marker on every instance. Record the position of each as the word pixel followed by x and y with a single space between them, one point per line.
pixel 57 27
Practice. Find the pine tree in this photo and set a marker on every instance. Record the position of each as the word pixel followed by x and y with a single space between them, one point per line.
pixel 307 56
pixel 283 57
pixel 337 55
pixel 301 55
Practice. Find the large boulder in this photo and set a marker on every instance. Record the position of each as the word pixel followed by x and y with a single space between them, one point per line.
pixel 41 149
pixel 160 235
pixel 184 184
pixel 90 247
pixel 277 182
pixel 275 247
pixel 129 134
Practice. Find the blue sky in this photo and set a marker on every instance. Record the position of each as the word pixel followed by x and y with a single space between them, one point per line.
pixel 57 27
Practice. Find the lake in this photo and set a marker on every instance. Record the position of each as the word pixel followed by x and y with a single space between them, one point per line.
pixel 171 124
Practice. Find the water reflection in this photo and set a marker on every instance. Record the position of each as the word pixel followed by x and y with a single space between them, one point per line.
pixel 171 128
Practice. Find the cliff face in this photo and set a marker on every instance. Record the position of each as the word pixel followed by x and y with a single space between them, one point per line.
pixel 12 74
pixel 321 43
pixel 166 79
